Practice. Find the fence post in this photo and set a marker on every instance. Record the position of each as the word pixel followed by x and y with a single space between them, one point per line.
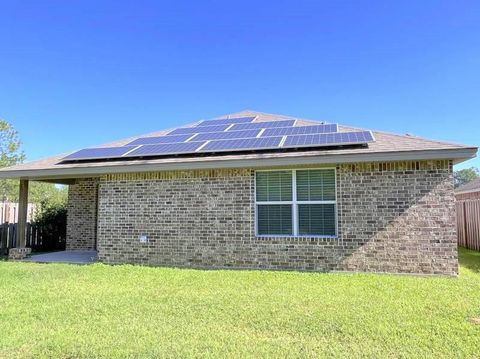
pixel 465 225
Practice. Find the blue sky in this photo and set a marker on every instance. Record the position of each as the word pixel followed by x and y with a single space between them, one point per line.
pixel 80 73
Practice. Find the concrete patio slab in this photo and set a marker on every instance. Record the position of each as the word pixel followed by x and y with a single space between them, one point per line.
pixel 73 257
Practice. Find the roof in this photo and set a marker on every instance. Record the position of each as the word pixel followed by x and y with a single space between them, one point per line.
pixel 387 147
pixel 472 186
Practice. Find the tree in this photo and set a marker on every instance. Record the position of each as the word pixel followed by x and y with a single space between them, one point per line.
pixel 464 176
pixel 48 194
pixel 10 154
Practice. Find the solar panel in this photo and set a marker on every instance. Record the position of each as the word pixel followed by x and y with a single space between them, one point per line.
pixel 329 139
pixel 269 124
pixel 302 130
pixel 199 129
pixel 244 140
pixel 160 139
pixel 242 144
pixel 226 135
pixel 166 149
pixel 227 121
pixel 98 153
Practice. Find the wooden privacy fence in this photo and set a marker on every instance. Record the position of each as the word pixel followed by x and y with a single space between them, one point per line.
pixel 37 238
pixel 9 212
pixel 468 223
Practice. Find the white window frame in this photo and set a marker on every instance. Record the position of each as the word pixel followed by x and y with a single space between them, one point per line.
pixel 294 203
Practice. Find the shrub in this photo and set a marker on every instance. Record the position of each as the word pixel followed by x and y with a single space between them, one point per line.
pixel 52 223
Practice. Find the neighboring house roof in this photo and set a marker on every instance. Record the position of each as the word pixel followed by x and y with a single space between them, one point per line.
pixel 473 186
pixel 387 147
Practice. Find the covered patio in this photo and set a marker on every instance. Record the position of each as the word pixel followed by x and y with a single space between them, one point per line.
pixel 71 257
pixel 22 243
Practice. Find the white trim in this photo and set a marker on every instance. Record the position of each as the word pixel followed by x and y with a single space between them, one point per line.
pixel 229 127
pixel 191 137
pixel 202 146
pixel 261 132
pixel 133 149
pixel 316 202
pixel 275 202
pixel 295 203
pixel 284 138
pixel 458 155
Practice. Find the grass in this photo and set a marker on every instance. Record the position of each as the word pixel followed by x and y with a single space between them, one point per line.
pixel 102 311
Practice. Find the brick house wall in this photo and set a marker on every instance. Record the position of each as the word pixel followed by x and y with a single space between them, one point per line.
pixel 392 217
pixel 82 214
pixel 399 217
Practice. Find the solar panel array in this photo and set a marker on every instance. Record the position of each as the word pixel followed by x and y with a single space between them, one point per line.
pixel 199 129
pixel 162 139
pixel 242 144
pixel 229 135
pixel 271 124
pixel 301 130
pixel 227 121
pixel 165 149
pixel 226 135
pixel 99 153
pixel 328 139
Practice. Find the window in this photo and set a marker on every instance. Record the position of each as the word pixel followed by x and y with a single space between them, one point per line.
pixel 296 203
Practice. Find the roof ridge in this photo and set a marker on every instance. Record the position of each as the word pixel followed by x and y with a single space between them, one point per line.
pixel 247 113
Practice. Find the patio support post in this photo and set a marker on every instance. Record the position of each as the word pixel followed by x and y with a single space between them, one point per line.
pixel 22 213
pixel 21 251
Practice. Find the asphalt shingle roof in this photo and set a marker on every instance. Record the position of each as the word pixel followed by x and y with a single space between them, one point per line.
pixel 385 143
pixel 469 187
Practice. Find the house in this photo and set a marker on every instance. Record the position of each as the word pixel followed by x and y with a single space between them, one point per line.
pixel 468 214
pixel 254 190
pixel 470 190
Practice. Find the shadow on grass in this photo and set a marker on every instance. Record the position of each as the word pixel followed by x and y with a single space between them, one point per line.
pixel 469 259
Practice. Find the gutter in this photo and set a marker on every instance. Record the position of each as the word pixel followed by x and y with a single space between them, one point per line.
pixel 458 155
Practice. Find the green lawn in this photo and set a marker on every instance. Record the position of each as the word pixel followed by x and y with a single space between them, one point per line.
pixel 104 311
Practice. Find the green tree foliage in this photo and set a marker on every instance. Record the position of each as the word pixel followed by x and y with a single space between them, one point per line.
pixel 10 145
pixel 48 194
pixel 11 153
pixel 466 175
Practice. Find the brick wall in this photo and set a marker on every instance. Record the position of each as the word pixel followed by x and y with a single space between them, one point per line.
pixel 393 217
pixel 398 217
pixel 82 214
